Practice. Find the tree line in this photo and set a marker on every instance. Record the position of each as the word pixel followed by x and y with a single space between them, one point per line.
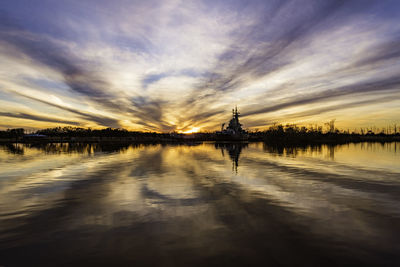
pixel 276 131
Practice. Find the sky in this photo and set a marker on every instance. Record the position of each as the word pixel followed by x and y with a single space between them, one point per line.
pixel 181 65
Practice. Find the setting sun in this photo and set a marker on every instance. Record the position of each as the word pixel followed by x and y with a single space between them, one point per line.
pixel 196 133
pixel 193 130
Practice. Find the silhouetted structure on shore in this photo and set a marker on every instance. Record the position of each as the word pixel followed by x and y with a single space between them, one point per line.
pixel 276 134
pixel 234 129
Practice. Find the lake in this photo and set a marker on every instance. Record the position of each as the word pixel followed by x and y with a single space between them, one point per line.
pixel 201 204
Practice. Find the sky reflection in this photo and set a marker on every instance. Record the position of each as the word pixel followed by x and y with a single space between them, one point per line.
pixel 207 200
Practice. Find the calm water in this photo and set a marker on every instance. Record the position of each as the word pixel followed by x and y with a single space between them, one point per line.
pixel 206 204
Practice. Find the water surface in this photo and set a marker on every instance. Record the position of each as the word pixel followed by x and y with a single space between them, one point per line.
pixel 202 204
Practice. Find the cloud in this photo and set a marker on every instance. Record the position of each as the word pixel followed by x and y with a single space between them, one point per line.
pixel 170 65
pixel 101 120
pixel 391 83
pixel 387 51
pixel 20 115
pixel 312 112
pixel 272 43
pixel 76 74
pixel 45 51
pixel 267 44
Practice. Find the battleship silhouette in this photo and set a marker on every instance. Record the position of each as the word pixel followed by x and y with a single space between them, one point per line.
pixel 234 131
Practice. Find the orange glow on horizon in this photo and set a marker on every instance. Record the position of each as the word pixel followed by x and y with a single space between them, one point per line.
pixel 192 130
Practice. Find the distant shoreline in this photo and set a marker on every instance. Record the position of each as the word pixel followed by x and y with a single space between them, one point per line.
pixel 285 140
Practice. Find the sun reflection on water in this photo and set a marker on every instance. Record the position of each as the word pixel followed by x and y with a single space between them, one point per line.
pixel 199 189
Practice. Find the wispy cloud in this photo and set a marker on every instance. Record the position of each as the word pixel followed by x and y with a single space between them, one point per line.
pixel 172 65
pixel 36 118
pixel 101 120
